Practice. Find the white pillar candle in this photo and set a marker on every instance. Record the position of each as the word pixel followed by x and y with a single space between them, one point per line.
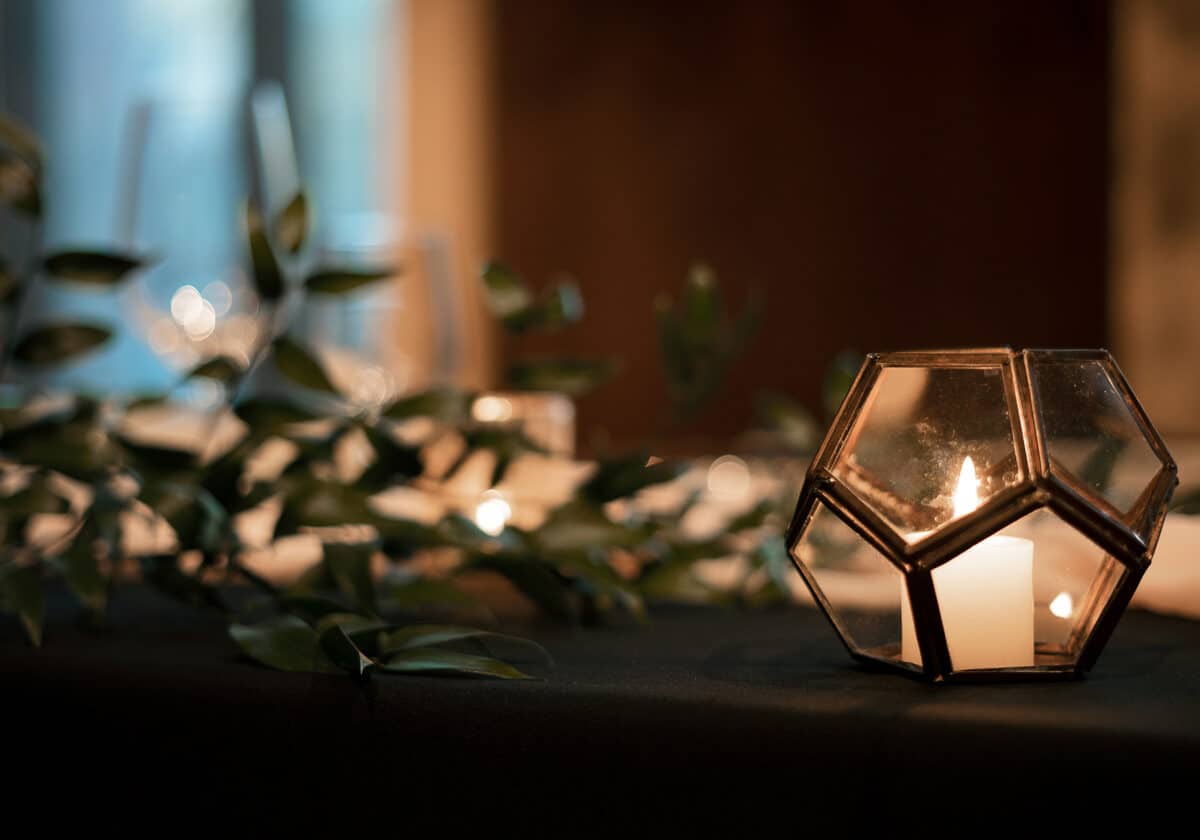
pixel 985 596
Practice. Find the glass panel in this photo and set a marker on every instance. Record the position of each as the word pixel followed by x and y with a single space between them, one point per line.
pixel 862 587
pixel 1073 579
pixel 1090 431
pixel 1027 596
pixel 906 454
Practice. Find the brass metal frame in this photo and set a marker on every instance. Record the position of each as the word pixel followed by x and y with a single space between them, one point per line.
pixel 1128 539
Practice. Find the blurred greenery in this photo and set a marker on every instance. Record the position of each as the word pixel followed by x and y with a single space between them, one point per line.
pixel 366 604
pixel 699 341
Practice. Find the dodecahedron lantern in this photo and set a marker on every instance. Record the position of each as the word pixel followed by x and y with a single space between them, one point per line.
pixel 982 514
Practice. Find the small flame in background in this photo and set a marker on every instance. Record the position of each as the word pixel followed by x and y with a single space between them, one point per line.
pixel 492 513
pixel 1062 606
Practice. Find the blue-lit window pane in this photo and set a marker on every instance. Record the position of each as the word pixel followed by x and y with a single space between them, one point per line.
pixel 93 65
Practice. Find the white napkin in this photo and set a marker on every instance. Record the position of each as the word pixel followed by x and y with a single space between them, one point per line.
pixel 1172 583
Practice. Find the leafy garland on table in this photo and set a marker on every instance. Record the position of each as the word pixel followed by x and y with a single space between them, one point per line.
pixel 594 554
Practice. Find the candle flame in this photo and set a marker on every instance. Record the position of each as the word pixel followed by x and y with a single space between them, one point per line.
pixel 966 494
pixel 1062 606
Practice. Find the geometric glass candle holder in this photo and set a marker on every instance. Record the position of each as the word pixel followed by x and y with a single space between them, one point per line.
pixel 982 515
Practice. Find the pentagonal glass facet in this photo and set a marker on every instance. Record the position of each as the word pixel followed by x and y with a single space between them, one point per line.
pixel 1090 431
pixel 1030 595
pixel 906 451
pixel 1073 580
pixel 862 588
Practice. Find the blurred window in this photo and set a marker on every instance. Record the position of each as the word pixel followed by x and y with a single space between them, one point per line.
pixel 143 108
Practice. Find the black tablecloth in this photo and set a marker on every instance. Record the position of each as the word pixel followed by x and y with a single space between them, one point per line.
pixel 703 709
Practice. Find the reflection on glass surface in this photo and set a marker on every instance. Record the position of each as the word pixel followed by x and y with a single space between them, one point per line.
pixel 1091 432
pixel 908 444
pixel 863 588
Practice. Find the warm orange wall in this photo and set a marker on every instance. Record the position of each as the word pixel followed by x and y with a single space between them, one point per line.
pixel 450 177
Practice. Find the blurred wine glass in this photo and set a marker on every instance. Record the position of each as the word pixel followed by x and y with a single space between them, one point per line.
pixel 195 307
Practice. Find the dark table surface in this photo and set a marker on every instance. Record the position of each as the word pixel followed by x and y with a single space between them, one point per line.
pixel 699 702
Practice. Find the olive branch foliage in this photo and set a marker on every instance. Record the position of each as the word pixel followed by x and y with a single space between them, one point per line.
pixel 593 557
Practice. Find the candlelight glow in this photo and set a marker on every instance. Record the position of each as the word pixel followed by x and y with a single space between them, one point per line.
pixel 1062 606
pixel 492 513
pixel 729 478
pixel 966 494
pixel 489 409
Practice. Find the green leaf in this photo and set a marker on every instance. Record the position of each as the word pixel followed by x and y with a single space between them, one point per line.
pixel 789 420
pixel 394 463
pixel 699 341
pixel 755 517
pixel 510 300
pixel 53 343
pixel 285 643
pixel 361 629
pixel 197 518
pixel 839 376
pixel 267 417
pixel 349 565
pixel 446 404
pixel 21 162
pixel 461 532
pixel 675 581
pixel 439 662
pixel 573 377
pixel 507 294
pixel 20 185
pixel 343 652
pixel 163 573
pixel 147 401
pixel 21 140
pixel 72 442
pixel 82 570
pixel 558 306
pixel 220 368
pixel 150 460
pixel 402 538
pixel 298 365
pixel 310 501
pixel 311 608
pixel 772 555
pixel 505 443
pixel 701 302
pixel 97 268
pixel 419 593
pixel 314 580
pixel 21 593
pixel 292 223
pixel 9 287
pixel 268 279
pixel 604 588
pixel 336 281
pixel 579 527
pixel 37 496
pixel 426 635
pixel 537 581
pixel 620 478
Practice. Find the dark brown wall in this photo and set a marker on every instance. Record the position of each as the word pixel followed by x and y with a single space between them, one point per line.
pixel 889 174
